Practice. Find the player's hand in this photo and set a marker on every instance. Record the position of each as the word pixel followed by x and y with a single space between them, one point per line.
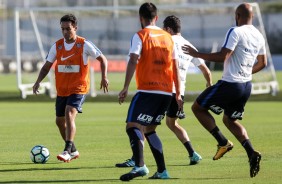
pixel 104 84
pixel 35 88
pixel 189 50
pixel 180 102
pixel 208 84
pixel 122 95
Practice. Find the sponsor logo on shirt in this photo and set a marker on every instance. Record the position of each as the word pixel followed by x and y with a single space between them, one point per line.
pixel 68 68
pixel 65 58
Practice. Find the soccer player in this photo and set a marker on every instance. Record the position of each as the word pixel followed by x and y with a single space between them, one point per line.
pixel 72 79
pixel 172 25
pixel 154 58
pixel 243 54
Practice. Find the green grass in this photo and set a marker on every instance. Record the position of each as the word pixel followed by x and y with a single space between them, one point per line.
pixel 102 142
pixel 195 82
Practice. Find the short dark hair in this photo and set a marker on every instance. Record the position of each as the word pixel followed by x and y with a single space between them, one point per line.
pixel 172 22
pixel 148 11
pixel 69 18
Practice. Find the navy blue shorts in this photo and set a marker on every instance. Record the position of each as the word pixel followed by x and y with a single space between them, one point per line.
pixel 74 100
pixel 172 110
pixel 148 108
pixel 226 96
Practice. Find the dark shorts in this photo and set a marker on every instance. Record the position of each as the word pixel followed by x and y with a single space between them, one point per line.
pixel 148 108
pixel 172 110
pixel 74 100
pixel 226 96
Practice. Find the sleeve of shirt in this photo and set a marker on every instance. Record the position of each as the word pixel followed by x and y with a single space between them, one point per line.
pixel 231 39
pixel 51 56
pixel 90 49
pixel 135 45
pixel 196 61
pixel 262 50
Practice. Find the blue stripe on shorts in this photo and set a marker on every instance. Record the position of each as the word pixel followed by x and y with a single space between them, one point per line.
pixel 204 102
pixel 133 103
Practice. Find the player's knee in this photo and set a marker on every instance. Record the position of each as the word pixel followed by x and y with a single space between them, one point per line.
pixel 195 107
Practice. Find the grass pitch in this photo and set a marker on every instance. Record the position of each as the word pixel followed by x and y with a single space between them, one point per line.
pixel 102 142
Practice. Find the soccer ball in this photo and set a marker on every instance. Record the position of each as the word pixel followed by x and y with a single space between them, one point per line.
pixel 39 154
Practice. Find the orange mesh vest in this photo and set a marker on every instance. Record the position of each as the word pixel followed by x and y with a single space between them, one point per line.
pixel 154 69
pixel 72 76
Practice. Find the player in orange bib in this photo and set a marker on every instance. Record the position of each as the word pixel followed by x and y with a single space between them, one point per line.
pixel 153 56
pixel 72 79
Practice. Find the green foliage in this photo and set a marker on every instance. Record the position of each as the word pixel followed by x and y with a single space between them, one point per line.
pixel 102 142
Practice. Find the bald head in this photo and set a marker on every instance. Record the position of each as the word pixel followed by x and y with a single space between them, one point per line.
pixel 244 14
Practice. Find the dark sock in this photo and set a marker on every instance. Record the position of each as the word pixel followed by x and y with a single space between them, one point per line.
pixel 68 146
pixel 73 148
pixel 189 148
pixel 248 147
pixel 136 141
pixel 157 150
pixel 222 141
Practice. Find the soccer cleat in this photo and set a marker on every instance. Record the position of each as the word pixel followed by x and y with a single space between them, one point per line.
pixel 163 175
pixel 135 172
pixel 195 159
pixel 221 150
pixel 127 163
pixel 74 155
pixel 64 156
pixel 254 163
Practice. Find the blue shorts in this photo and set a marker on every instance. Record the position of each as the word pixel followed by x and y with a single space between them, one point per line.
pixel 74 100
pixel 148 108
pixel 226 96
pixel 172 110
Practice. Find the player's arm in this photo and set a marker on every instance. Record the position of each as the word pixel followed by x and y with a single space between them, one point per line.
pixel 260 64
pixel 91 50
pixel 207 74
pixel 130 69
pixel 177 83
pixel 42 74
pixel 104 69
pixel 219 57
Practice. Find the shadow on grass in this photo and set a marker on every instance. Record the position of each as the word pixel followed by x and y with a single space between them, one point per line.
pixel 62 181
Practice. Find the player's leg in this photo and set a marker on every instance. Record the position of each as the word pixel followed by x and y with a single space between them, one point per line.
pixel 179 131
pixel 134 130
pixel 182 135
pixel 157 151
pixel 136 138
pixel 160 106
pixel 60 121
pixel 73 106
pixel 230 119
pixel 213 98
pixel 70 116
pixel 61 124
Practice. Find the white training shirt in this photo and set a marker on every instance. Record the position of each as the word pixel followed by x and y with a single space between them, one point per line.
pixel 89 49
pixel 247 43
pixel 184 60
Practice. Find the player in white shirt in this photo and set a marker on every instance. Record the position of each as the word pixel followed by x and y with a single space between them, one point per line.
pixel 172 25
pixel 243 54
